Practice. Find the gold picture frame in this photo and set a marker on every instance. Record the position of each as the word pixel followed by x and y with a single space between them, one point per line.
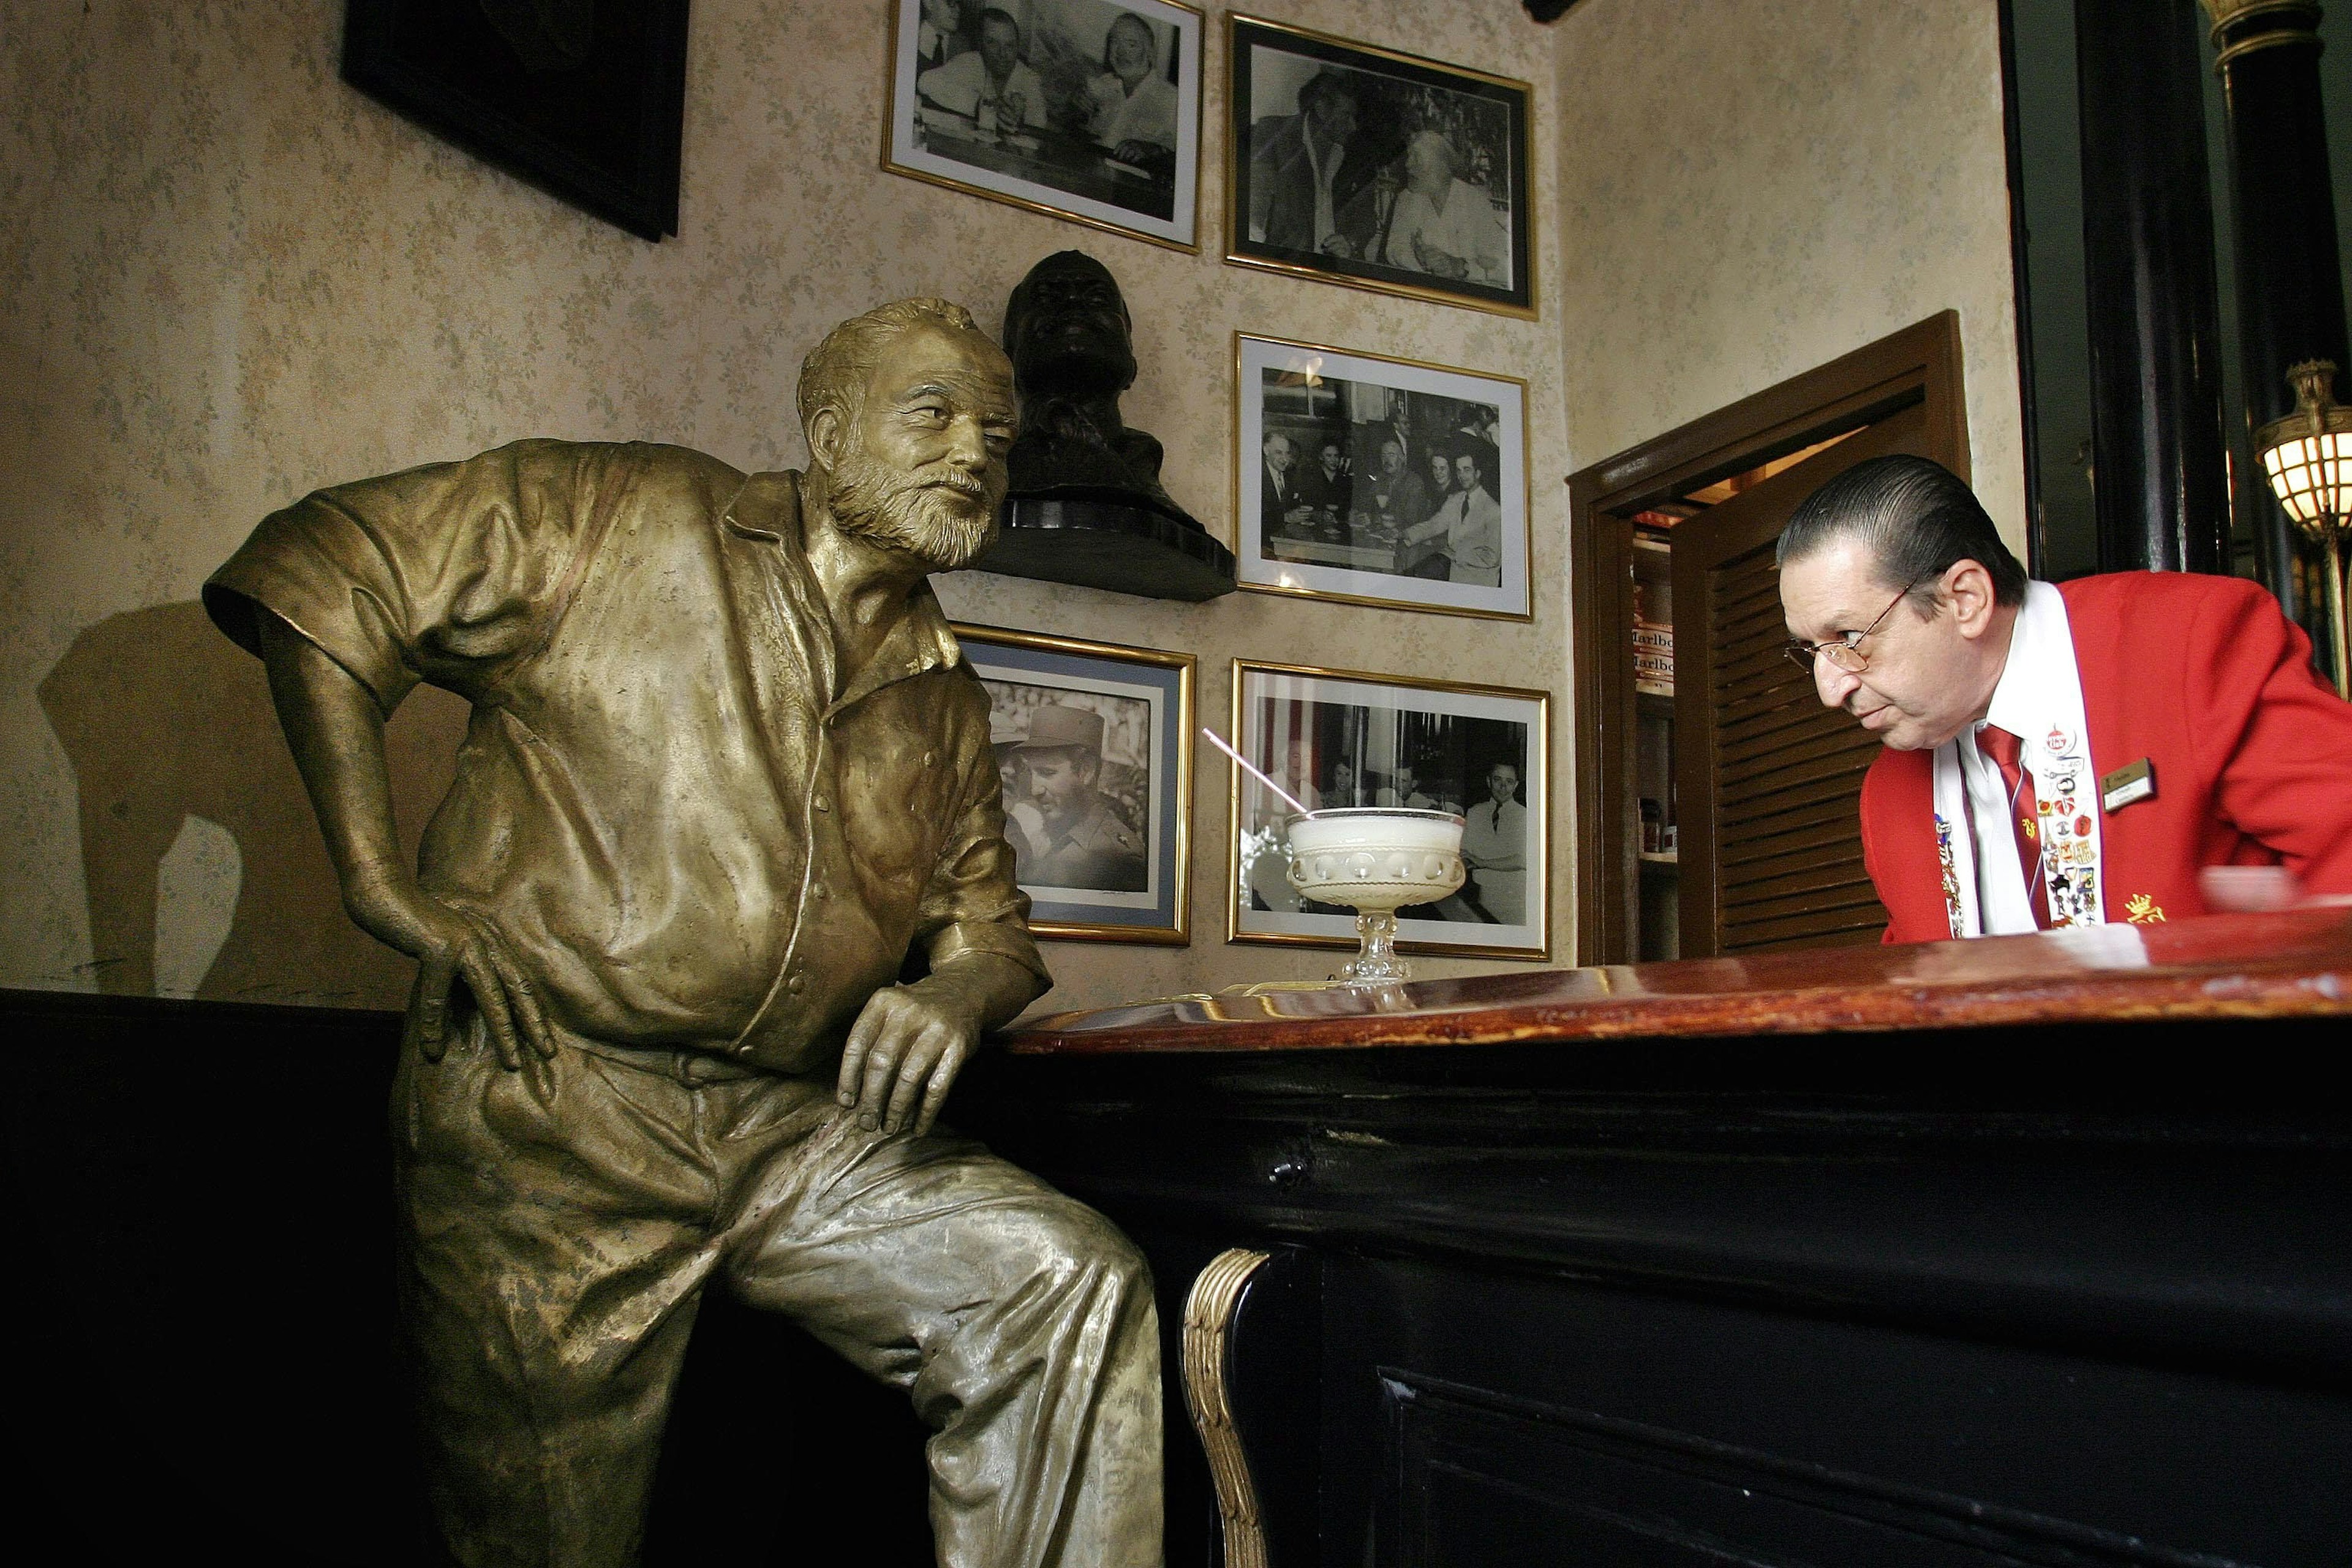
pixel 1484 126
pixel 1372 729
pixel 1045 167
pixel 1370 551
pixel 1132 692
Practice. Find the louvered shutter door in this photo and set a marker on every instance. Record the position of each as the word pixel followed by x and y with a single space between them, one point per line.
pixel 1788 844
pixel 1769 781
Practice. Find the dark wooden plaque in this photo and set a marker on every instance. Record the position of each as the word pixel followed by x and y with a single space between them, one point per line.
pixel 583 98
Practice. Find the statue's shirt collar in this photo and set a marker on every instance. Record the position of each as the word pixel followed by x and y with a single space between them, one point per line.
pixel 767 511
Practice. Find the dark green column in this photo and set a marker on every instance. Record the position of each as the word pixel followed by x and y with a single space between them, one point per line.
pixel 2290 287
pixel 2160 480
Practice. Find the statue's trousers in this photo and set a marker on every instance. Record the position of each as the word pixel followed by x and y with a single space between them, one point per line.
pixel 563 1223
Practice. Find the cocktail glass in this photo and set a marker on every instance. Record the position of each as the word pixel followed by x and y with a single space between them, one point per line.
pixel 1376 859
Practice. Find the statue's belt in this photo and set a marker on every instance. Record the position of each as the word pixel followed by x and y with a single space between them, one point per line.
pixel 692 1066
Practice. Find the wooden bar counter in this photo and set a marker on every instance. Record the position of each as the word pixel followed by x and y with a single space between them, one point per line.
pixel 2028 1249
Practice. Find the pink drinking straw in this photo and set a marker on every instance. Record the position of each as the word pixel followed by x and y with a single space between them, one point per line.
pixel 1293 801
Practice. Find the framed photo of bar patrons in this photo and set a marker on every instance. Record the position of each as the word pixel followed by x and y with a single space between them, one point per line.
pixel 1334 738
pixel 1380 480
pixel 1094 752
pixel 1086 109
pixel 1379 170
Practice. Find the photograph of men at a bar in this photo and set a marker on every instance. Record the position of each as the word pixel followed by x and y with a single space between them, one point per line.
pixel 1381 480
pixel 1080 109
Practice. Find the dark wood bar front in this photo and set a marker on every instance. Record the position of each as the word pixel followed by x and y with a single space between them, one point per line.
pixel 2021 1250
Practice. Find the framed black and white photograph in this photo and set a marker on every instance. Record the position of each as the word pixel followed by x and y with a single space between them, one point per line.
pixel 1341 738
pixel 1379 170
pixel 1379 480
pixel 1086 110
pixel 1093 747
pixel 585 102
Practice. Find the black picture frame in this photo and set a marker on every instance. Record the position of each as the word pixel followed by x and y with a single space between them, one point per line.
pixel 584 101
pixel 1485 123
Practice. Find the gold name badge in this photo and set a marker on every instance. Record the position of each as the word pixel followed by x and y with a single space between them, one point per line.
pixel 2136 781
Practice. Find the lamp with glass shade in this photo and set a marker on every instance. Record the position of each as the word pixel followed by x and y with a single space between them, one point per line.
pixel 2308 457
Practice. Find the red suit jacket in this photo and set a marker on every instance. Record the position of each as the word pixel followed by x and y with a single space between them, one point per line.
pixel 2204 678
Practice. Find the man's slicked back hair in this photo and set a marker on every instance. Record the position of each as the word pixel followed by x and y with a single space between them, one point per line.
pixel 1322 85
pixel 1913 515
pixel 836 372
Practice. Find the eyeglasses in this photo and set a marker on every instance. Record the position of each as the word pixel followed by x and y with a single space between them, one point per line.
pixel 1845 653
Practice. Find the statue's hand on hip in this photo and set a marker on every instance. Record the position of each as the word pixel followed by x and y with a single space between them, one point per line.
pixel 452 944
pixel 906 1049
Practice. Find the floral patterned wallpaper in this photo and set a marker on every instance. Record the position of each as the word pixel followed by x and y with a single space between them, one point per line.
pixel 227 278
pixel 1757 186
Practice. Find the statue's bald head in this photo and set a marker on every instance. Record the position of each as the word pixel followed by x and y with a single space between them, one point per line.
pixel 835 372
pixel 1064 273
pixel 1068 329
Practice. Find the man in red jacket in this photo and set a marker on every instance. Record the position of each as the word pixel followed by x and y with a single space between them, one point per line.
pixel 2061 755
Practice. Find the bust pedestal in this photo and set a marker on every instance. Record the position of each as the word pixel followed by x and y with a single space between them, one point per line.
pixel 1113 544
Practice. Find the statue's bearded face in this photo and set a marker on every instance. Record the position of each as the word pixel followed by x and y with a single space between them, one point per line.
pixel 921 467
pixel 945 518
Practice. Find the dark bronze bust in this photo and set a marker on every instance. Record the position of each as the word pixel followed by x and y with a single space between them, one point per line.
pixel 1068 333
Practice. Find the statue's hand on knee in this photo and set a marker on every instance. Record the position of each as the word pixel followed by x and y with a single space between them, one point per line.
pixel 910 1041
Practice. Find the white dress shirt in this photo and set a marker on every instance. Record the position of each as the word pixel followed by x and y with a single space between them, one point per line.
pixel 962 83
pixel 1468 226
pixel 1325 222
pixel 1146 114
pixel 1496 833
pixel 1472 521
pixel 2027 702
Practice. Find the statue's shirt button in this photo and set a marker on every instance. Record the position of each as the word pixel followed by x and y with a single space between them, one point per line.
pixel 796 984
pixel 822 803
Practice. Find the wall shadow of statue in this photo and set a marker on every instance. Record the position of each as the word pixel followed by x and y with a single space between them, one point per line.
pixel 163 719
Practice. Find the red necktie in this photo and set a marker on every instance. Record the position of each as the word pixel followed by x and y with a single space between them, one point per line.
pixel 2024 813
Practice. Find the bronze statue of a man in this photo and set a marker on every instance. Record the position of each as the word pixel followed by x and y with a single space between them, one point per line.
pixel 728 780
pixel 1071 340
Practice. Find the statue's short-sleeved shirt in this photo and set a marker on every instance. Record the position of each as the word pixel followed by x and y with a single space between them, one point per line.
pixel 693 827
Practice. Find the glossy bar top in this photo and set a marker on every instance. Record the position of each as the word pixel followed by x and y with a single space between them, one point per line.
pixel 2290 965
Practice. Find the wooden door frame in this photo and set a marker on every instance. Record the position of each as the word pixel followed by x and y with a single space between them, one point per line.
pixel 1920 365
pixel 1741 530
